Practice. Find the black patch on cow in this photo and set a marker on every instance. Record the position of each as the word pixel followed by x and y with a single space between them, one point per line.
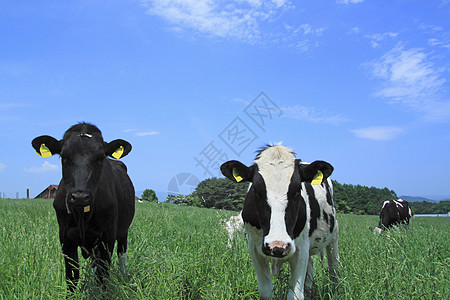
pixel 249 214
pixel 331 223
pixel 301 219
pixel 328 192
pixel 325 216
pixel 295 215
pixel 314 207
pixel 256 211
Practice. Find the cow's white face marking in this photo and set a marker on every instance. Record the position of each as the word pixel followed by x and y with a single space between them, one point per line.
pixel 276 166
pixel 86 135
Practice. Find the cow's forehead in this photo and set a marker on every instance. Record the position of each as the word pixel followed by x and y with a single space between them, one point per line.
pixel 276 164
pixel 275 155
pixel 82 143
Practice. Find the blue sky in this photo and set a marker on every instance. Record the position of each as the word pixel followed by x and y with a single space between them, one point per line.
pixel 361 84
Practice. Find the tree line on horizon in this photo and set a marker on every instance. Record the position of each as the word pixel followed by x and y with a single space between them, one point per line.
pixel 221 193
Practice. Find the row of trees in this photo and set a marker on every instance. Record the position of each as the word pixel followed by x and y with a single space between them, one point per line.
pixel 360 199
pixel 221 193
pixel 214 192
pixel 426 207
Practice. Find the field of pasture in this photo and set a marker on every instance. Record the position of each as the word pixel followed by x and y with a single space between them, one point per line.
pixel 179 252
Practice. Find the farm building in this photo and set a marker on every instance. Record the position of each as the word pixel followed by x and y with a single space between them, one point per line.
pixel 49 192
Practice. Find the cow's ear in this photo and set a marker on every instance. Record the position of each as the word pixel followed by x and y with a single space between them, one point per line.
pixel 316 172
pixel 117 148
pixel 236 171
pixel 46 146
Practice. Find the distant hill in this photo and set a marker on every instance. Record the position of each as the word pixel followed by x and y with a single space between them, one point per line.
pixel 417 199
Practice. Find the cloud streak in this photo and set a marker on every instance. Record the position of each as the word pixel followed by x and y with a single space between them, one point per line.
pixel 376 39
pixel 310 114
pixel 46 167
pixel 146 133
pixel 348 1
pixel 141 133
pixel 239 20
pixel 409 77
pixel 378 133
pixel 303 37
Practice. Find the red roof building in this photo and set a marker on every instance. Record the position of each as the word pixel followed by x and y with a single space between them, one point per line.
pixel 49 192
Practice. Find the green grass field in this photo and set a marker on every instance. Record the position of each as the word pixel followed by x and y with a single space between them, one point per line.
pixel 179 252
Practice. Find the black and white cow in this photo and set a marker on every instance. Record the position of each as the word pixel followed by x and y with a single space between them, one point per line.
pixel 94 203
pixel 393 212
pixel 234 225
pixel 289 215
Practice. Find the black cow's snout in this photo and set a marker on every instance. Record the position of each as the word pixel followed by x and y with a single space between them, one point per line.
pixel 79 198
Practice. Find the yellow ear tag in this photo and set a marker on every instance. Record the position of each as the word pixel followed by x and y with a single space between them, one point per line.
pixel 45 152
pixel 118 153
pixel 87 209
pixel 318 178
pixel 236 175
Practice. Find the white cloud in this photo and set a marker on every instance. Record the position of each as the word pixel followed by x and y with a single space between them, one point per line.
pixel 354 30
pixel 308 29
pixel 409 77
pixel 348 1
pixel 310 114
pixel 46 166
pixel 140 133
pixel 145 133
pixel 378 133
pixel 2 166
pixel 433 42
pixel 302 37
pixel 225 19
pixel 377 38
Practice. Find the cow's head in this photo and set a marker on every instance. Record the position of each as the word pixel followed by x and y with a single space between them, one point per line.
pixel 276 178
pixel 83 153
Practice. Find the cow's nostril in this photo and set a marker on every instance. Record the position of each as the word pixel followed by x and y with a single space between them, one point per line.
pixel 278 251
pixel 79 197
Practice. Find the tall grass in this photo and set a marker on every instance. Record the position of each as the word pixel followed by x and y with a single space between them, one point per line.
pixel 179 252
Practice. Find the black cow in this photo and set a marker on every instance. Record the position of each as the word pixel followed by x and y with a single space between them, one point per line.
pixel 289 215
pixel 393 212
pixel 94 203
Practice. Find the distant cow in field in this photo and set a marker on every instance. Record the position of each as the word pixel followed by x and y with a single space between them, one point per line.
pixel 234 225
pixel 289 215
pixel 94 203
pixel 393 212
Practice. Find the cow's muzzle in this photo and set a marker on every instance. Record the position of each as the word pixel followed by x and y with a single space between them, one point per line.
pixel 277 249
pixel 79 201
